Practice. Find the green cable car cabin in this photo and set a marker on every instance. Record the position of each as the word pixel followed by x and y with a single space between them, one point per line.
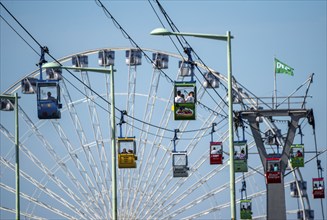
pixel 297 155
pixel 245 209
pixel 126 152
pixel 241 156
pixel 184 101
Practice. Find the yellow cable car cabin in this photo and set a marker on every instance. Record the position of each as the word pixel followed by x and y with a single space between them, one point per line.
pixel 126 152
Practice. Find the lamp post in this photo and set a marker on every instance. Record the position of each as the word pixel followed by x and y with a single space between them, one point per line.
pixel 227 38
pixel 15 99
pixel 109 71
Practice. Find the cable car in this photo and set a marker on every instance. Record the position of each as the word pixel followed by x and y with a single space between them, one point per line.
pixel 216 153
pixel 133 57
pixel 211 81
pixel 303 189
pixel 106 57
pixel 48 99
pixel 80 61
pixel 240 156
pixel 318 185
pixel 7 105
pixel 184 101
pixel 273 170
pixel 126 152
pixel 180 164
pixel 185 68
pixel 309 214
pixel 29 85
pixel 160 60
pixel 297 155
pixel 246 209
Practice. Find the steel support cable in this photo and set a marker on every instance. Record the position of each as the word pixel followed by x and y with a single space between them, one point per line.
pixel 39 203
pixel 44 189
pixel 51 174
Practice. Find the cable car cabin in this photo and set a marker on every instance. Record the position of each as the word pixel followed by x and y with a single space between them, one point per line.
pixel 318 185
pixel 48 100
pixel 240 156
pixel 185 68
pixel 297 155
pixel 309 214
pixel 273 170
pixel 180 164
pixel 126 152
pixel 54 73
pixel 303 189
pixel 7 105
pixel 29 85
pixel 80 61
pixel 160 61
pixel 184 101
pixel 211 81
pixel 106 57
pixel 246 209
pixel 133 57
pixel 216 153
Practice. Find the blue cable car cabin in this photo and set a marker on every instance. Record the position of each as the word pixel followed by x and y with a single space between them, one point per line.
pixel 216 153
pixel 246 209
pixel 318 185
pixel 133 57
pixel 297 155
pixel 180 164
pixel 7 105
pixel 273 170
pixel 106 57
pixel 302 187
pixel 184 101
pixel 240 156
pixel 160 61
pixel 48 99
pixel 29 85
pixel 210 80
pixel 126 152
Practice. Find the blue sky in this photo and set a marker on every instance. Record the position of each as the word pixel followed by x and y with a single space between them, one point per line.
pixel 292 31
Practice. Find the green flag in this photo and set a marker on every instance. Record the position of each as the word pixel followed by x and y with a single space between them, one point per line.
pixel 283 68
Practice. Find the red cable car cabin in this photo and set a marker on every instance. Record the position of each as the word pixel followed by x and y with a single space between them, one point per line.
pixel 216 153
pixel 318 185
pixel 273 171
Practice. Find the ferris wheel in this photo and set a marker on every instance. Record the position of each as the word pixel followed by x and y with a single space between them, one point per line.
pixel 166 168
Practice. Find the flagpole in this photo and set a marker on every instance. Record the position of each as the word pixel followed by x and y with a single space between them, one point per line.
pixel 275 85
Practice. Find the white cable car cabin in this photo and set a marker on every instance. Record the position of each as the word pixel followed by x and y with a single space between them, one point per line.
pixel 180 164
pixel 273 170
pixel 318 190
pixel 216 152
pixel 106 58
pixel 126 152
pixel 246 209
pixel 48 99
pixel 160 61
pixel 133 57
pixel 297 155
pixel 80 61
pixel 7 105
pixel 210 80
pixel 303 189
pixel 29 85
pixel 240 156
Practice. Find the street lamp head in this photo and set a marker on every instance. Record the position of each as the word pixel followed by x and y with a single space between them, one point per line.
pixel 160 31
pixel 51 65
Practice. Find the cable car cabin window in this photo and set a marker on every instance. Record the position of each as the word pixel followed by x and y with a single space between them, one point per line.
pixel 126 152
pixel 240 156
pixel 54 73
pixel 297 155
pixel 246 209
pixel 184 101
pixel 80 61
pixel 210 80
pixel 160 61
pixel 133 57
pixel 273 172
pixel 185 68
pixel 106 58
pixel 318 185
pixel 48 100
pixel 216 153
pixel 303 189
pixel 180 164
pixel 7 105
pixel 29 85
